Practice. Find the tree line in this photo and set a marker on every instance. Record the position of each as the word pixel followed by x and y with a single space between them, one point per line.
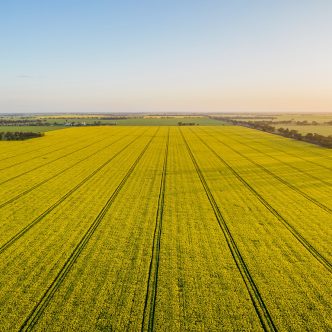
pixel 24 122
pixel 187 124
pixel 18 135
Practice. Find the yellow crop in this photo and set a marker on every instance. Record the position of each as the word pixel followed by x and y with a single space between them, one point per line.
pixel 165 229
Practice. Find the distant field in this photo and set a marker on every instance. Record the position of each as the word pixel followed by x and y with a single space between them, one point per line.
pixel 320 117
pixel 165 229
pixel 321 128
pixel 170 121
pixel 325 130
pixel 148 121
pixel 35 129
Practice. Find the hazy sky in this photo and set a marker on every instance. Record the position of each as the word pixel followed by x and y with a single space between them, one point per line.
pixel 171 55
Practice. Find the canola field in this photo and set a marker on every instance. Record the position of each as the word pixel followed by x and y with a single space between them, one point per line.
pixel 165 229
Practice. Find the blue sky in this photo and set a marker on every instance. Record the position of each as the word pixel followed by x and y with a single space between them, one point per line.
pixel 113 56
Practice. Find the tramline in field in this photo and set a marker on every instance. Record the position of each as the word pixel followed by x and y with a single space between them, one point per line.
pixel 165 228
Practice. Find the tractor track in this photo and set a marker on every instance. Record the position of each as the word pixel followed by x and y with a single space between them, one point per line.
pixel 152 284
pixel 49 162
pixel 289 185
pixel 47 153
pixel 256 298
pixel 321 259
pixel 39 308
pixel 284 163
pixel 11 200
pixel 26 152
pixel 297 156
pixel 23 231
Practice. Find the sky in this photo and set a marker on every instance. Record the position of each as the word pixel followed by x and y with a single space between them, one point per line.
pixel 165 56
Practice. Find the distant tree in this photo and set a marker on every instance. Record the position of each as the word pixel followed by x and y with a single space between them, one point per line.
pixel 18 135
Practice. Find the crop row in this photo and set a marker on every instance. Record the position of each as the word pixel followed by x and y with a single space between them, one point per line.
pixel 42 250
pixel 303 214
pixel 165 229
